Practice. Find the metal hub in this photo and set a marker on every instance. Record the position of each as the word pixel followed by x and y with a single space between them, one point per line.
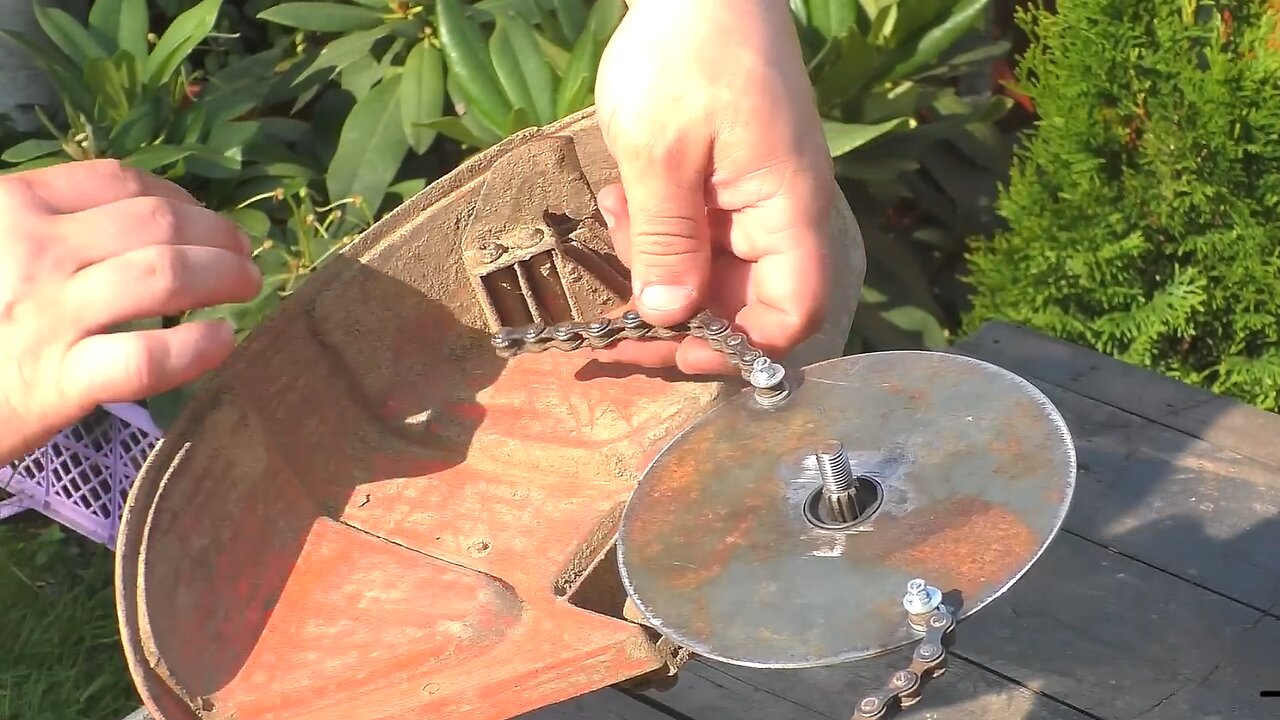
pixel 783 535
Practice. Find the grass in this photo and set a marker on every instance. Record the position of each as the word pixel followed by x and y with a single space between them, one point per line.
pixel 60 656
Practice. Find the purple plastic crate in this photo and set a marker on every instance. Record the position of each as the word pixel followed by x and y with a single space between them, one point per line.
pixel 82 477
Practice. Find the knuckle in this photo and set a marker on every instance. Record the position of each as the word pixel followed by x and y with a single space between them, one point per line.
pixel 157 217
pixel 666 234
pixel 160 271
pixel 113 172
pixel 27 266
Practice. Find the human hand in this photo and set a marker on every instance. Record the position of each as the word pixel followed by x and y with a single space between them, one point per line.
pixel 727 186
pixel 88 246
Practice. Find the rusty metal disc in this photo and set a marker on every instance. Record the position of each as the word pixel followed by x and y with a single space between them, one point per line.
pixel 974 470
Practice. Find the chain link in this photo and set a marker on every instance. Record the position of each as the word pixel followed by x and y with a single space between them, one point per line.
pixel 754 365
pixel 928 662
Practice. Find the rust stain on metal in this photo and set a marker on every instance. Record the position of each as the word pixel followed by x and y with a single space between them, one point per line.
pixel 969 543
pixel 1055 495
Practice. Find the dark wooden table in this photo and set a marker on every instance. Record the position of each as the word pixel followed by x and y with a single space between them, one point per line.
pixel 1158 600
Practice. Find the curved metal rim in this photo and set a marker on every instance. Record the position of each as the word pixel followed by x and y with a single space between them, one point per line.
pixel 1056 419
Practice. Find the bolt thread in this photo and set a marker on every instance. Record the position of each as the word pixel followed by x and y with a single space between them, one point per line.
pixel 833 466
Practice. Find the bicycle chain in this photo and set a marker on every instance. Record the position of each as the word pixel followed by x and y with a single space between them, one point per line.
pixel 928 662
pixel 756 367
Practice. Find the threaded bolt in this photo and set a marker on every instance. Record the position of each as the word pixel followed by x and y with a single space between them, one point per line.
pixel 833 465
pixel 837 482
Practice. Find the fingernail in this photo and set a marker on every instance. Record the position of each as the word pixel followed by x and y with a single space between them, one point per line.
pixel 665 297
pixel 608 217
pixel 246 243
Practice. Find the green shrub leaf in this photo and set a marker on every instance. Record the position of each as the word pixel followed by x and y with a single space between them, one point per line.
pixel 30 150
pixel 579 77
pixel 556 56
pixel 344 50
pixel 41 162
pixel 371 147
pixel 832 18
pixel 849 74
pixel 917 54
pixel 421 94
pixel 522 69
pixel 453 127
pixel 152 157
pixel 70 36
pixel 604 18
pixel 464 49
pixel 184 33
pixel 125 22
pixel 324 16
pixel 914 15
pixel 254 222
pixel 846 137
pixel 572 17
pixel 527 9
pixel 239 87
pixel 102 75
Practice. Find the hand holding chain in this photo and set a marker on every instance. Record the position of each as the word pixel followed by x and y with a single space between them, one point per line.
pixel 765 375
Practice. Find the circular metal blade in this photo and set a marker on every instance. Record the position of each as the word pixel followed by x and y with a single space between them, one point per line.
pixel 976 470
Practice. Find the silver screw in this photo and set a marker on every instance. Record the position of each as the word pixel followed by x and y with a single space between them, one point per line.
pixel 921 598
pixel 765 373
pixel 837 482
pixel 766 377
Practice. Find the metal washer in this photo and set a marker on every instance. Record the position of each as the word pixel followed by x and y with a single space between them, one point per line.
pixel 976 469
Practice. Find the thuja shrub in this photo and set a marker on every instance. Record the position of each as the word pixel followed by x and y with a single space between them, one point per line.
pixel 1143 211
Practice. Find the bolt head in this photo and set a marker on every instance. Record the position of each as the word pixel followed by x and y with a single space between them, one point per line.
pixel 869 704
pixel 902 678
pixel 766 374
pixel 915 586
pixel 923 601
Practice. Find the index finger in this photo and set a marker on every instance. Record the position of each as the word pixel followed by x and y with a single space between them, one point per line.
pixel 86 184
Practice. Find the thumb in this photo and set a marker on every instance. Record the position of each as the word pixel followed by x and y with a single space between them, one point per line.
pixel 669 239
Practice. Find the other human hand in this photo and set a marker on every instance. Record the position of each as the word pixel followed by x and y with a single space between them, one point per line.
pixel 727 187
pixel 84 248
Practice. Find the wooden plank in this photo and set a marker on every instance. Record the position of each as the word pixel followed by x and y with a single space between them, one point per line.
pixel 606 704
pixel 1175 502
pixel 712 690
pixel 1223 422
pixel 1118 639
